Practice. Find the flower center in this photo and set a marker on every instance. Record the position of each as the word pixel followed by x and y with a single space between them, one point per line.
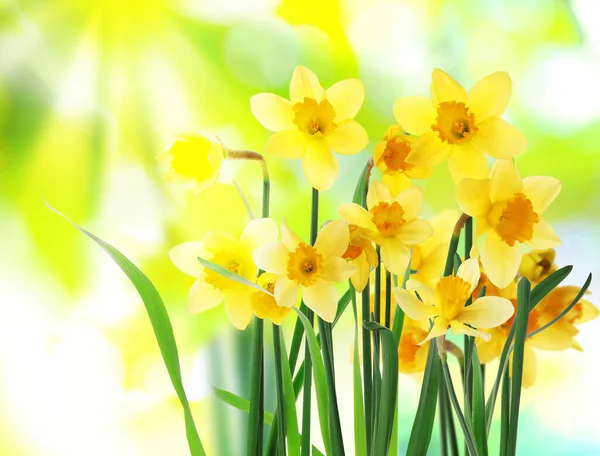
pixel 395 153
pixel 388 218
pixel 454 122
pixel 356 245
pixel 228 261
pixel 304 265
pixel 451 294
pixel 314 118
pixel 514 219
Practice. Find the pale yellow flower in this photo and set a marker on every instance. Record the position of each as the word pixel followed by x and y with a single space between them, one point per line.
pixel 265 306
pixel 446 305
pixel 537 265
pixel 310 270
pixel 362 255
pixel 390 159
pixel 193 159
pixel 461 126
pixel 391 223
pixel 313 124
pixel 211 288
pixel 509 211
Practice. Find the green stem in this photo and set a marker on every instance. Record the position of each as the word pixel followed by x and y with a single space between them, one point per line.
pixel 280 398
pixel 443 417
pixel 367 364
pixel 468 340
pixel 388 299
pixel 255 423
pixel 505 412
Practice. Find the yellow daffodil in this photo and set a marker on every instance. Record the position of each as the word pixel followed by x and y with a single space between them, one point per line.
pixel 412 354
pixel 429 257
pixel 313 124
pixel 362 255
pixel 265 306
pixel 312 269
pixel 537 265
pixel 211 288
pixel 193 159
pixel 446 305
pixel 509 211
pixel 461 126
pixel 391 223
pixel 390 159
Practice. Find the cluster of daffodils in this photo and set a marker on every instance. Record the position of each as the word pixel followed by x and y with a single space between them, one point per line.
pixel 463 128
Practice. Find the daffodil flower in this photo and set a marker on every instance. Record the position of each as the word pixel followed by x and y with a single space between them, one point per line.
pixel 509 211
pixel 390 159
pixel 313 124
pixel 193 159
pixel 211 288
pixel 461 127
pixel 537 265
pixel 446 305
pixel 264 305
pixel 391 223
pixel 310 270
pixel 362 255
pixel 412 353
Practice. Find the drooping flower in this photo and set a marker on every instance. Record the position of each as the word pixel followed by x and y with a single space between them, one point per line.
pixel 193 159
pixel 390 159
pixel 391 223
pixel 537 265
pixel 312 270
pixel 459 126
pixel 211 288
pixel 362 255
pixel 508 210
pixel 313 124
pixel 446 305
pixel 265 306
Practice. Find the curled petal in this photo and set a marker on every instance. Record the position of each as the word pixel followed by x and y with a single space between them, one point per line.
pixel 469 272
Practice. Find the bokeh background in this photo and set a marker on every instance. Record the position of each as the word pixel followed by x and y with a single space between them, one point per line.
pixel 90 92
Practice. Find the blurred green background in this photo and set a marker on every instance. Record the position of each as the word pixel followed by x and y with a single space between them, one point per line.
pixel 90 91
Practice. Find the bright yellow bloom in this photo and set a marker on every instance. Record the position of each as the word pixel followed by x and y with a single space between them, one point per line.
pixel 193 159
pixel 211 288
pixel 314 269
pixel 446 305
pixel 429 257
pixel 391 223
pixel 509 209
pixel 537 265
pixel 313 124
pixel 265 306
pixel 461 126
pixel 362 255
pixel 412 354
pixel 390 158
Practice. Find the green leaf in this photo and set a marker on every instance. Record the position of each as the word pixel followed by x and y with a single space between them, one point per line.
pixel 478 404
pixel 289 395
pixel 163 330
pixel 231 275
pixel 360 431
pixel 360 192
pixel 255 422
pixel 239 403
pixel 541 290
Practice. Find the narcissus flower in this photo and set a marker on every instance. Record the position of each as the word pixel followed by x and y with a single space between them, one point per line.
pixel 446 305
pixel 509 211
pixel 193 159
pixel 211 288
pixel 390 158
pixel 313 124
pixel 362 255
pixel 537 265
pixel 312 269
pixel 391 223
pixel 265 306
pixel 459 126
pixel 412 353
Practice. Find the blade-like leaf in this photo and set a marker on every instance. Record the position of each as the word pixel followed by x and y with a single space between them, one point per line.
pixel 360 431
pixel 541 290
pixel 232 275
pixel 239 403
pixel 360 192
pixel 478 404
pixel 291 417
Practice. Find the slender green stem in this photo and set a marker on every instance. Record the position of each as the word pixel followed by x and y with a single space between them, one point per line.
pixel 468 340
pixel 505 412
pixel 256 420
pixel 443 417
pixel 388 299
pixel 279 380
pixel 367 364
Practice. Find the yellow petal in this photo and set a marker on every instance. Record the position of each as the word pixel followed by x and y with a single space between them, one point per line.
pixel 288 237
pixel 396 182
pixel 467 161
pixel 219 241
pixel 432 265
pixel 445 88
pixel 588 312
pixel 487 312
pixel 490 96
pixel 557 337
pixel 357 215
pixel 415 232
pixel 286 291
pixel 238 306
pixel 420 172
pixel 272 111
pixel 505 180
pixel 319 165
pixel 473 196
pixel 185 257
pixel 440 327
pixel 377 193
pixel 259 232
pixel 488 351
pixel 412 307
pixel 203 184
pixel 529 366
pixel 287 144
pixel 541 191
pixel 469 272
pixel 333 239
pixel 378 151
pixel 500 261
pixel 426 293
pixel 544 236
pixel 271 257
pixel 498 138
pixel 336 269
pixel 415 114
pixel 481 227
pixel 346 97
pixel 429 150
pixel 203 296
pixel 361 276
pixel 460 328
pixel 394 255
pixel 322 299
pixel 411 201
pixel 348 138
pixel 442 224
pixel 305 84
